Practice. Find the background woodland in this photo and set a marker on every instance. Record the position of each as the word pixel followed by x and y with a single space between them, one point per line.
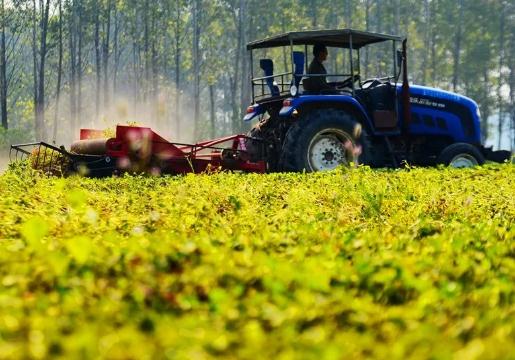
pixel 181 66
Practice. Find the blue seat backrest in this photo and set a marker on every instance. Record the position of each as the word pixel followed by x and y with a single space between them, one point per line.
pixel 298 60
pixel 268 68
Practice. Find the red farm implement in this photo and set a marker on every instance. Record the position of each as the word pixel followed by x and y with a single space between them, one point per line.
pixel 139 149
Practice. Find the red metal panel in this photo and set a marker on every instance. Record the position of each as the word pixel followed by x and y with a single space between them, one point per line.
pixel 88 134
pixel 139 145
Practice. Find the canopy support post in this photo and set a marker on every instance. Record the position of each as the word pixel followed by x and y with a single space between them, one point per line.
pixel 306 59
pixel 351 64
pixel 359 67
pixel 292 63
pixel 394 58
pixel 252 75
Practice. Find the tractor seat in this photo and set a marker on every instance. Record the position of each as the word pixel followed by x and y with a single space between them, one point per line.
pixel 268 68
pixel 298 61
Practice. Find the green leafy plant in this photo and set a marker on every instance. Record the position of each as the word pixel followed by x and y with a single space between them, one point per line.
pixel 355 263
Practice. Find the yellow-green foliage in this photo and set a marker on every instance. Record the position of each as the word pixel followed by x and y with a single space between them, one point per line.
pixel 354 264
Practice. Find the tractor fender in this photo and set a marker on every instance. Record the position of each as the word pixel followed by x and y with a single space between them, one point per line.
pixel 253 111
pixel 344 102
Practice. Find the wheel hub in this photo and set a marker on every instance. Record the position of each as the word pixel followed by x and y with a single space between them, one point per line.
pixel 329 149
pixel 329 155
pixel 463 161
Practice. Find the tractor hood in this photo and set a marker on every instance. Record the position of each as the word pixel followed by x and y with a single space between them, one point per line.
pixel 449 106
pixel 439 94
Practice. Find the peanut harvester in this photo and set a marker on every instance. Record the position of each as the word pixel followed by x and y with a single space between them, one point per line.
pixel 138 149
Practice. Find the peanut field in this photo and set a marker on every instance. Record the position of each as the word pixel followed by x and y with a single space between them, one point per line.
pixel 351 264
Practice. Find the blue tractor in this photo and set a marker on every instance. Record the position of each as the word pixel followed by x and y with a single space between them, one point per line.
pixel 378 121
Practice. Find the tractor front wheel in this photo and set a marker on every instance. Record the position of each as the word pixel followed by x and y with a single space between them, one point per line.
pixel 322 140
pixel 461 155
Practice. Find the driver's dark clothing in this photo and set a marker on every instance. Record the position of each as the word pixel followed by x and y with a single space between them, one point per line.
pixel 316 83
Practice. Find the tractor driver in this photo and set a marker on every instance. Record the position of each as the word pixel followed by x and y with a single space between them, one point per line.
pixel 317 83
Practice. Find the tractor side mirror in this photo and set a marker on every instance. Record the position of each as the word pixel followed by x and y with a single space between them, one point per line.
pixel 399 58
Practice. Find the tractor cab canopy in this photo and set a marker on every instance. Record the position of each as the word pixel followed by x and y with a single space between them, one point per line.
pixel 272 86
pixel 344 38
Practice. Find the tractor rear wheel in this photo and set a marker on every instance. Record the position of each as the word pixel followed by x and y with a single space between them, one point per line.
pixel 461 155
pixel 322 140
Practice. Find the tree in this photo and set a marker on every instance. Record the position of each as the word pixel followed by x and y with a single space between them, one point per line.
pixel 39 58
pixel 59 71
pixel 511 66
pixel 500 100
pixel 72 36
pixel 106 51
pixel 3 68
pixel 196 64
pixel 193 49
pixel 98 59
pixel 457 47
pixel 177 29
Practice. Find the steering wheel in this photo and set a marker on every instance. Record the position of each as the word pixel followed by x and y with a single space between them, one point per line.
pixel 371 81
pixel 347 83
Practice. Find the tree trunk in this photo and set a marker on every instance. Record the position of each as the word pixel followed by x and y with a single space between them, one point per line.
pixel 59 71
pixel 379 15
pixel 196 66
pixel 234 78
pixel 427 38
pixel 73 63
pixel 314 13
pixel 397 18
pixel 433 44
pixel 212 110
pixel 177 68
pixel 146 47
pixel 136 86
pixel 348 13
pixel 485 110
pixel 116 50
pixel 79 64
pixel 457 48
pixel 511 66
pixel 35 63
pixel 98 66
pixel 154 63
pixel 500 80
pixel 3 71
pixel 244 79
pixel 105 53
pixel 40 103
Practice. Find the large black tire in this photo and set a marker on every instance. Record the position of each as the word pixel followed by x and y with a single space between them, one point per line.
pixel 322 140
pixel 461 155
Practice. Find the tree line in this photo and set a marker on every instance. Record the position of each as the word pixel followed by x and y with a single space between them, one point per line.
pixel 183 64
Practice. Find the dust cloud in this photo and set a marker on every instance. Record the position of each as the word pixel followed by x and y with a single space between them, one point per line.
pixel 158 112
pixel 4 160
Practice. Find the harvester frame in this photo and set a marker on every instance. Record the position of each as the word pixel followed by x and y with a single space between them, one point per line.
pixel 138 149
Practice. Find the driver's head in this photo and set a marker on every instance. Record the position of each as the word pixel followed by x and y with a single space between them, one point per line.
pixel 320 52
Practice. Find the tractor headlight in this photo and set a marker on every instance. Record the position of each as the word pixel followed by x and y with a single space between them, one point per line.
pixel 294 90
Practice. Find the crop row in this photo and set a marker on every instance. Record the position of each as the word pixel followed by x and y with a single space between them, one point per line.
pixel 415 263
